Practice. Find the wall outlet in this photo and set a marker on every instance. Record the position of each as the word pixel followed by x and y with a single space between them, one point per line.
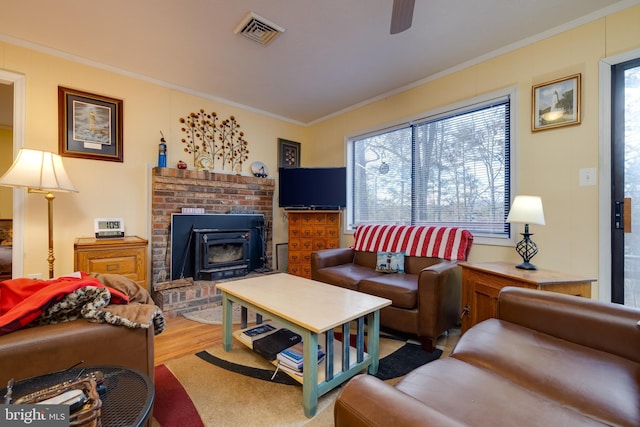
pixel 36 276
pixel 588 176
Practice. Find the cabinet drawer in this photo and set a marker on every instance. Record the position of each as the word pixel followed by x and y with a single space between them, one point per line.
pixel 319 244
pixel 307 231
pixel 307 244
pixel 333 219
pixel 306 271
pixel 319 231
pixel 295 244
pixel 295 257
pixel 126 257
pixel 294 221
pixel 125 265
pixel 333 233
pixel 332 243
pixel 295 233
pixel 319 219
pixel 308 218
pixel 295 269
pixel 124 262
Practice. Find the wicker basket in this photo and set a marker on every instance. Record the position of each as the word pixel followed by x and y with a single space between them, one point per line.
pixel 87 416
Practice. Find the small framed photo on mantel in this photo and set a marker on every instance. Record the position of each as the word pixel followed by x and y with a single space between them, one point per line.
pixel 89 125
pixel 556 103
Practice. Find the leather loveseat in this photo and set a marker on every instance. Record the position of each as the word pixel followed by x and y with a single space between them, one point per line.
pixel 39 350
pixel 425 299
pixel 547 360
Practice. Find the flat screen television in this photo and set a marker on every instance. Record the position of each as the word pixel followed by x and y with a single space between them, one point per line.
pixel 313 188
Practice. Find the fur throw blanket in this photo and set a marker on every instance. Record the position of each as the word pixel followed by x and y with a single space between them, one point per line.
pixel 101 298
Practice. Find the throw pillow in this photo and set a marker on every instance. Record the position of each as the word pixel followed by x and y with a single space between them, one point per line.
pixel 390 262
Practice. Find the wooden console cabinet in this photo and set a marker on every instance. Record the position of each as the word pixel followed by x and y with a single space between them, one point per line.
pixel 311 231
pixel 126 256
pixel 482 282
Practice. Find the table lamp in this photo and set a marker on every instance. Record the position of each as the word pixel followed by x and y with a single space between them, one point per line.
pixel 526 210
pixel 39 172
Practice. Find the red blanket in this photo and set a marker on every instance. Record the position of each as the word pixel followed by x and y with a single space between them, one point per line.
pixel 24 300
pixel 415 240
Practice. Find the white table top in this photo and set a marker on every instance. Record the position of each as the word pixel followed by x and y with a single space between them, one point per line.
pixel 312 305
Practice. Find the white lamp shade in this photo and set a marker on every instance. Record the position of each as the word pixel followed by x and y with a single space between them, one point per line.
pixel 37 170
pixel 526 210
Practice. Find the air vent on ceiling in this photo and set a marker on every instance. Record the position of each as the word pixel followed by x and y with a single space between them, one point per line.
pixel 258 29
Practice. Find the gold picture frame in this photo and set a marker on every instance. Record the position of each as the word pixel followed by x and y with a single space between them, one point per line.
pixel 89 125
pixel 6 231
pixel 556 103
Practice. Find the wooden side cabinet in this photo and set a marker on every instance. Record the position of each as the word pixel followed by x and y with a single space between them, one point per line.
pixel 311 231
pixel 125 256
pixel 481 284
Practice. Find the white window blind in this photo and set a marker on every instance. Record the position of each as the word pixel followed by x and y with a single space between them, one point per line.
pixel 452 169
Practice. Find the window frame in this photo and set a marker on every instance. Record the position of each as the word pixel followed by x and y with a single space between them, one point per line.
pixel 510 92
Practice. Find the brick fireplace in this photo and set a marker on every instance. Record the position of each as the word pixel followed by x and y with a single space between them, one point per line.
pixel 216 193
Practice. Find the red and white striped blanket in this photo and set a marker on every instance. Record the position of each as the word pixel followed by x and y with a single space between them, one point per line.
pixel 415 240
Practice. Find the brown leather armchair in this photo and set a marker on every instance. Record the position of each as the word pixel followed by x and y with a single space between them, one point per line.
pixel 44 349
pixel 425 299
pixel 38 350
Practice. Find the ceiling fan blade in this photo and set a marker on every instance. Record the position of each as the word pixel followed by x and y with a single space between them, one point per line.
pixel 402 15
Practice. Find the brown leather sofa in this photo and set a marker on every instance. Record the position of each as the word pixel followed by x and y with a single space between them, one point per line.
pixel 548 360
pixel 425 300
pixel 38 350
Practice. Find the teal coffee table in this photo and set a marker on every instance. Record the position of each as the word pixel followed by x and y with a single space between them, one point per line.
pixel 313 310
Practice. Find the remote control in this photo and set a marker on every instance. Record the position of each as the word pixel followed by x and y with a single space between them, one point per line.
pixel 67 398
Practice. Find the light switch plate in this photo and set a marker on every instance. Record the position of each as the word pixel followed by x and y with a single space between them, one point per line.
pixel 588 176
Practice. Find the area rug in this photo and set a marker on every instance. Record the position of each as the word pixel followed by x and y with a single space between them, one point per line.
pixel 172 404
pixel 235 388
pixel 213 316
pixel 224 398
pixel 397 358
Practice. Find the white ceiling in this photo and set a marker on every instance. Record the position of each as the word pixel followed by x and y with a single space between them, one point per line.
pixel 333 55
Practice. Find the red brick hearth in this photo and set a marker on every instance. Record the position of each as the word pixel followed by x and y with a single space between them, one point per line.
pixel 216 193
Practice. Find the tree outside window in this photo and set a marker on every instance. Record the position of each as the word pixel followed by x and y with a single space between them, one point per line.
pixel 451 170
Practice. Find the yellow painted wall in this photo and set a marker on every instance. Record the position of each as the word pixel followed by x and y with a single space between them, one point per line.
pixel 548 162
pixel 111 189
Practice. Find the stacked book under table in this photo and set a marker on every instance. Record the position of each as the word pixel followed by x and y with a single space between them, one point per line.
pixel 276 343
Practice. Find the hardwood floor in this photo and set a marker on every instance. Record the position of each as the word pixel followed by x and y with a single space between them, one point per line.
pixel 182 337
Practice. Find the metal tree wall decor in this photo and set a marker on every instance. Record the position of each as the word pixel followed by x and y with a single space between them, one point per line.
pixel 214 142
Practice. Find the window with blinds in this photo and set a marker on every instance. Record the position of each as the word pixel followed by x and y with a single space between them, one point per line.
pixel 447 169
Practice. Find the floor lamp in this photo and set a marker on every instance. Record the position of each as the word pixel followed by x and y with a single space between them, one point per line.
pixel 39 172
